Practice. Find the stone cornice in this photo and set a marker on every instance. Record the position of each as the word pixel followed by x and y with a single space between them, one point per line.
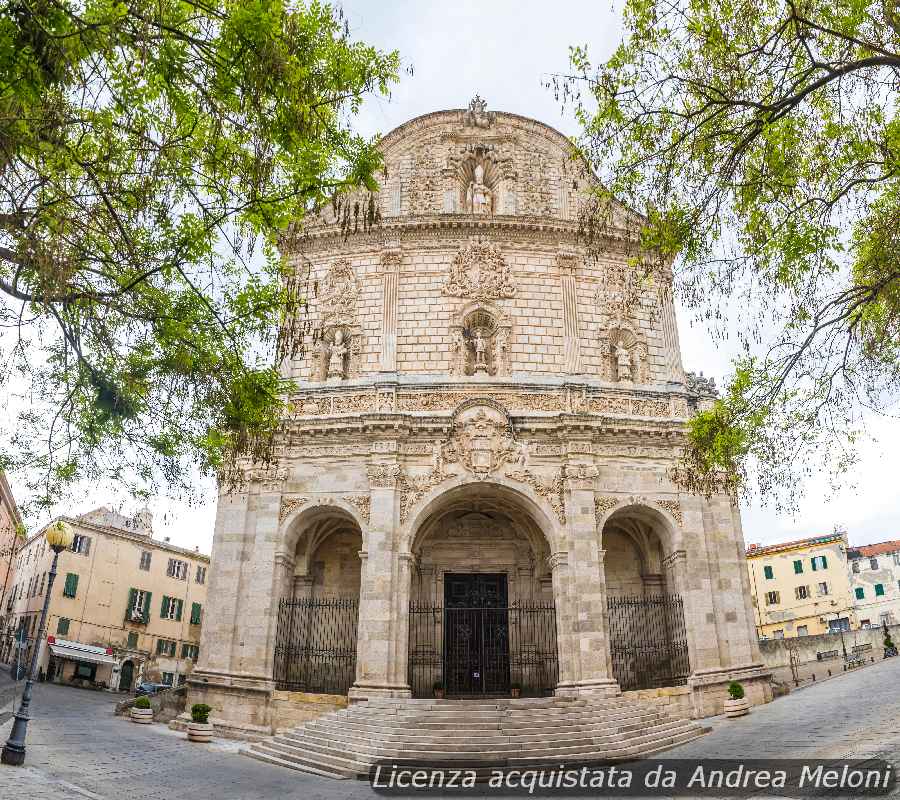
pixel 330 238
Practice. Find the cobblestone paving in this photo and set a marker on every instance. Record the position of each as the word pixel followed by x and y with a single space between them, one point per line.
pixel 77 749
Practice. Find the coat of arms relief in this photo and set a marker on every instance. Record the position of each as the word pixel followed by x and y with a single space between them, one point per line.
pixel 481 441
pixel 479 272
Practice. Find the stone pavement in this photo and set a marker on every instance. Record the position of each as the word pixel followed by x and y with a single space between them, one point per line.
pixel 77 749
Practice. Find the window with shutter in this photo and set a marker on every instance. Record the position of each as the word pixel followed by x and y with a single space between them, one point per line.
pixel 62 627
pixel 146 607
pixel 71 586
pixel 798 567
pixel 195 613
pixel 879 590
pixel 179 605
pixel 132 640
pixel 166 607
pixel 767 571
pixel 860 593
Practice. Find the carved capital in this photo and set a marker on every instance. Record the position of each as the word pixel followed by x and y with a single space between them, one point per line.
pixel 384 476
pixel 580 476
pixel 558 559
pixel 567 261
pixel 391 259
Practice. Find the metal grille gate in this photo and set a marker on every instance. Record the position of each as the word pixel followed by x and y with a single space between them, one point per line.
pixel 315 644
pixel 483 650
pixel 648 641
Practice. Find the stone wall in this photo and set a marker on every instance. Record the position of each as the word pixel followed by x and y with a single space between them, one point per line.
pixel 777 652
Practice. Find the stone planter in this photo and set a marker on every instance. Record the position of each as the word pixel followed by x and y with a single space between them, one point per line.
pixel 142 716
pixel 737 708
pixel 199 732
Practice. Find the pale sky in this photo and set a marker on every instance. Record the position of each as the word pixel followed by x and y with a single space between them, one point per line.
pixel 505 51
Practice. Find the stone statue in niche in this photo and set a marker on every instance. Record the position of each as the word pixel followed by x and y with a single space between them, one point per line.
pixel 480 346
pixel 623 362
pixel 479 199
pixel 337 357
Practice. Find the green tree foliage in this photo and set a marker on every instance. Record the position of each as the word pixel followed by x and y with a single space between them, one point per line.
pixel 759 142
pixel 150 153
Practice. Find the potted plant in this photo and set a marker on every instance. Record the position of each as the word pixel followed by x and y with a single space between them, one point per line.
pixel 199 729
pixel 438 688
pixel 142 711
pixel 737 705
pixel 890 649
pixel 515 690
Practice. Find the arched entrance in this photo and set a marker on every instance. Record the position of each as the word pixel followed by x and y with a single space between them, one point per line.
pixel 316 635
pixel 482 616
pixel 126 676
pixel 647 635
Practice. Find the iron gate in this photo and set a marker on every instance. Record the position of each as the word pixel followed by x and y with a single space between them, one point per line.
pixel 648 641
pixel 315 644
pixel 484 650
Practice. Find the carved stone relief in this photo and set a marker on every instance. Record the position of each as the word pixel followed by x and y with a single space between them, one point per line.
pixel 480 272
pixel 482 440
pixel 551 489
pixel 289 505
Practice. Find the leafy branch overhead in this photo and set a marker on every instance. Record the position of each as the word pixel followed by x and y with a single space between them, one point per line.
pixel 150 153
pixel 761 145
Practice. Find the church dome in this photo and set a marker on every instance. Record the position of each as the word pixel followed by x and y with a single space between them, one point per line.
pixel 475 271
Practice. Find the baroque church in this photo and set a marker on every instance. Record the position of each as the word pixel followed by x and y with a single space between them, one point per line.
pixel 473 497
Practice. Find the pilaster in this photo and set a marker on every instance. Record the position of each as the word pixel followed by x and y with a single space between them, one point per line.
pixel 377 645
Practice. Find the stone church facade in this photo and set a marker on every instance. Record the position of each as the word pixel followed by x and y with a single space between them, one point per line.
pixel 472 492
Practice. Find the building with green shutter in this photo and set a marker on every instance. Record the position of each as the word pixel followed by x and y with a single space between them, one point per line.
pixel 802 587
pixel 126 607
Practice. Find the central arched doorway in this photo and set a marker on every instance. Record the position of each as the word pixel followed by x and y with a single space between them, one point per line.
pixel 482 616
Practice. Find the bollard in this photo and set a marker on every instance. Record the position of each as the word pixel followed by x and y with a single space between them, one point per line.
pixel 814 677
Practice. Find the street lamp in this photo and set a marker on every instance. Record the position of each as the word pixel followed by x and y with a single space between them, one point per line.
pixel 60 537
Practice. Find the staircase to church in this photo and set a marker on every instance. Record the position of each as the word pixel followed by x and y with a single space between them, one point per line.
pixel 476 734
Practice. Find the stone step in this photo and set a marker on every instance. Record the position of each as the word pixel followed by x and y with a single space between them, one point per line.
pixel 331 754
pixel 459 718
pixel 296 764
pixel 336 761
pixel 411 741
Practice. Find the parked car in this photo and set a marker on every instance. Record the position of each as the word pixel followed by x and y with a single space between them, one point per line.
pixel 150 688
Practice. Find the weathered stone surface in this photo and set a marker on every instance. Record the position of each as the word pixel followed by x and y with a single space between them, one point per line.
pixel 506 404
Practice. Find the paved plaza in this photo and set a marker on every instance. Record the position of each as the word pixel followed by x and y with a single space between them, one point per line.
pixel 78 749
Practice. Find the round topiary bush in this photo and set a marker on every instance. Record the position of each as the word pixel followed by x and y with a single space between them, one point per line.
pixel 142 702
pixel 735 691
pixel 200 713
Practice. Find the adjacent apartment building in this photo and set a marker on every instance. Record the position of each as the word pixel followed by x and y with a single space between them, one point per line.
pixel 801 587
pixel 875 583
pixel 10 530
pixel 122 602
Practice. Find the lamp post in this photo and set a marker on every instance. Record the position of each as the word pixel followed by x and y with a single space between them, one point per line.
pixel 59 536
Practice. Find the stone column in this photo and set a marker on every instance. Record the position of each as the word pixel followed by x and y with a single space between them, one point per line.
pixel 391 258
pixel 377 638
pixel 588 587
pixel 400 665
pixel 559 566
pixel 303 587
